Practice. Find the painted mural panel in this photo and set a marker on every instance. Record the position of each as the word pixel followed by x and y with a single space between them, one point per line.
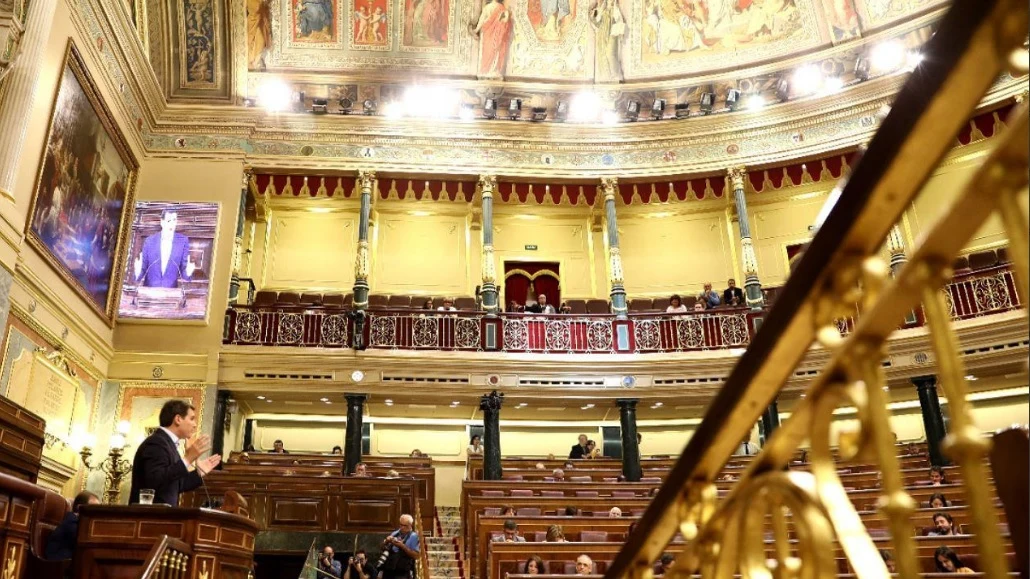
pixel 259 32
pixel 842 19
pixel 370 25
pixel 426 23
pixel 494 31
pixel 314 21
pixel 876 13
pixel 199 35
pixel 552 40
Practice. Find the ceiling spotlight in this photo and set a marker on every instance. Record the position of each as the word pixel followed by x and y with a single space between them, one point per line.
pixel 490 109
pixel 346 106
pixel 915 58
pixel 268 399
pixel 833 85
pixel 682 110
pixel 755 102
pixel 707 102
pixel 585 107
pixel 299 98
pixel 887 56
pixel 274 96
pixel 260 397
pixel 561 112
pixel 659 404
pixel 782 90
pixel 862 68
pixel 467 112
pixel 323 400
pixel 733 99
pixel 369 107
pixel 658 109
pixel 807 79
pixel 610 117
pixel 633 110
pixel 320 106
pixel 514 109
pixel 388 402
pixel 249 102
pixel 455 404
pixel 539 114
pixel 971 378
pixel 523 404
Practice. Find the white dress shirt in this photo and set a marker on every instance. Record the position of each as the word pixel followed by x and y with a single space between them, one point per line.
pixel 166 251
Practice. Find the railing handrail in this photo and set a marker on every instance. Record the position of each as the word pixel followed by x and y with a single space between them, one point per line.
pixel 928 110
pixel 152 564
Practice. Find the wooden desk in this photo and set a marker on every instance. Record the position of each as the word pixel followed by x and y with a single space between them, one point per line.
pixel 114 540
pixel 317 459
pixel 21 441
pixel 324 503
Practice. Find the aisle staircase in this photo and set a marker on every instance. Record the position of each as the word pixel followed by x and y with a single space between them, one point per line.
pixel 444 549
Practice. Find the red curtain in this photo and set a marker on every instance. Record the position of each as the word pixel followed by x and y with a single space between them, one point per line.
pixel 541 276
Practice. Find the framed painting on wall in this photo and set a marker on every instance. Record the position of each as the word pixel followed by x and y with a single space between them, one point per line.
pixel 84 187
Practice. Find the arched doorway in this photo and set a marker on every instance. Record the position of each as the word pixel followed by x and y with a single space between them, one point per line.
pixel 531 278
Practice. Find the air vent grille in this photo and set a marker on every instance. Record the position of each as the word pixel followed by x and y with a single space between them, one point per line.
pixel 285 376
pixel 561 382
pixel 683 381
pixel 426 379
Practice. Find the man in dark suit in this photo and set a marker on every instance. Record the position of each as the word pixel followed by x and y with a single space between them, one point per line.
pixel 159 466
pixel 165 256
pixel 731 292
pixel 60 546
pixel 579 450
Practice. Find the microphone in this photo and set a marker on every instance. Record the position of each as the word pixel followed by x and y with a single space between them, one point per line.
pixel 203 484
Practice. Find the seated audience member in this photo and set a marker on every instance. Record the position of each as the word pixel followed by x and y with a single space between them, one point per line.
pixel 569 465
pixel 571 511
pixel 937 477
pixel 558 475
pixel 698 306
pixel 514 308
pixel 534 566
pixel 654 492
pixel 550 456
pixel 418 454
pixel 620 478
pixel 511 533
pixel 358 566
pixel 448 306
pixel 475 447
pixel 732 291
pixel 592 450
pixel 947 561
pixel 943 524
pixel 541 466
pixel 392 474
pixel 428 304
pixel 584 565
pixel 675 305
pixel 541 306
pixel 507 511
pixel 888 560
pixel 337 449
pixel 328 566
pixel 565 308
pixel 61 543
pixel 747 448
pixel 709 298
pixel 361 471
pixel 278 448
pixel 579 450
pixel 614 513
pixel 249 448
pixel 937 501
pixel 555 534
pixel 664 564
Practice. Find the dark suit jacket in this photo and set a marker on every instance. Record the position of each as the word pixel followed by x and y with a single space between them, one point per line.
pixel 728 293
pixel 152 276
pixel 60 545
pixel 577 451
pixel 158 466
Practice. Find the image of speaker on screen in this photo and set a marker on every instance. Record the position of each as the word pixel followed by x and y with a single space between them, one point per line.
pixel 168 261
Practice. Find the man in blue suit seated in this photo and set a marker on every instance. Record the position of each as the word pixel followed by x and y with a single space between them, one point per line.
pixel 60 546
pixel 165 256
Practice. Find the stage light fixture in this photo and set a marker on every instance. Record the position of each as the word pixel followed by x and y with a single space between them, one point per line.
pixel 514 109
pixel 346 106
pixel 369 106
pixel 756 102
pixel 833 85
pixel 539 114
pixel 862 68
pixel 610 117
pixel 682 110
pixel 733 99
pixel 707 102
pixel 561 111
pixel 490 109
pixel 782 90
pixel 887 56
pixel 274 96
pixel 633 110
pixel 320 106
pixel 658 109
pixel 299 101
pixel 585 107
pixel 807 79
pixel 467 112
pixel 249 103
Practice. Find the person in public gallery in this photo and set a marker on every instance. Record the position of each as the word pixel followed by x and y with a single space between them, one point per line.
pixel 158 466
pixel 580 450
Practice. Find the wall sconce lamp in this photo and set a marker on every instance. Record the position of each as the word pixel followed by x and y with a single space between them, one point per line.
pixel 115 467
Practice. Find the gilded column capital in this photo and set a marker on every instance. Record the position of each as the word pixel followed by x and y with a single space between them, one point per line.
pixel 366 179
pixel 895 242
pixel 488 185
pixel 610 185
pixel 736 175
pixel 248 177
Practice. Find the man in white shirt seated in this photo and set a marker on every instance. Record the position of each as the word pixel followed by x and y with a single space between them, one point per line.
pixel 448 306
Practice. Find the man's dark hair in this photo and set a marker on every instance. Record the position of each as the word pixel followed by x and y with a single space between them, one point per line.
pixel 173 408
pixel 169 210
pixel 571 511
pixel 360 552
pixel 82 499
pixel 945 515
pixel 278 441
pixel 667 558
pixel 510 525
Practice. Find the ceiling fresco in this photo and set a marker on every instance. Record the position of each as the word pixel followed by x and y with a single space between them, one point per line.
pixel 604 41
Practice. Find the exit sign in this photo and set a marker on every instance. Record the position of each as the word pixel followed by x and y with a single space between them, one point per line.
pixel 531 248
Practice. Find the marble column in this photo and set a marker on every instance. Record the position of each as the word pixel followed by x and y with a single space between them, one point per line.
pixel 896 247
pixel 19 87
pixel 770 419
pixel 933 419
pixel 219 427
pixel 352 443
pixel 610 187
pixel 487 185
pixel 630 447
pixel 362 264
pixel 490 404
pixel 237 245
pixel 752 287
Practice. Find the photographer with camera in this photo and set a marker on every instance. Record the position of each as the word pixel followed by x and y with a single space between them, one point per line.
pixel 400 549
pixel 358 567
pixel 328 566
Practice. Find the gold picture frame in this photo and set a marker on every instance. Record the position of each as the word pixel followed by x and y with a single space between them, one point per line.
pixel 84 190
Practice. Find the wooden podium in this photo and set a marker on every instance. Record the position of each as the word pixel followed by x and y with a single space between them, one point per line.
pixel 115 541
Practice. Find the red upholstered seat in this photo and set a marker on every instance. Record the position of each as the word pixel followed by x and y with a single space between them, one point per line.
pixel 348 299
pixel 593 536
pixel 610 479
pixel 651 479
pixel 528 511
pixel 378 301
pixel 465 304
pixel 587 493
pixel 689 302
pixel 512 477
pixel 961 264
pixel 332 300
pixel 487 493
pixel 537 536
pixel 580 479
pixel 288 299
pixel 492 511
pixel 597 307
pixel 638 305
pixel 552 494
pixel 660 304
pixel 577 306
pixel 983 259
pixel 265 298
pixel 310 299
pixel 623 494
pixel 521 492
pixel 1003 255
pixel 399 301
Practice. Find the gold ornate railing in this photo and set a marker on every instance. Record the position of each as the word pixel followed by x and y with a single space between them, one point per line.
pixel 977 40
pixel 168 559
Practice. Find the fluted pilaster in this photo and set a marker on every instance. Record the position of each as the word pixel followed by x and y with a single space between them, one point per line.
pixel 752 286
pixel 487 186
pixel 610 187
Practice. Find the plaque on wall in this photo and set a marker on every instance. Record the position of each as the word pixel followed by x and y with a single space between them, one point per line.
pixel 44 383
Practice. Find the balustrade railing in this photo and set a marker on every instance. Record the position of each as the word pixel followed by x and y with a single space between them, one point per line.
pixel 970 295
pixel 168 559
